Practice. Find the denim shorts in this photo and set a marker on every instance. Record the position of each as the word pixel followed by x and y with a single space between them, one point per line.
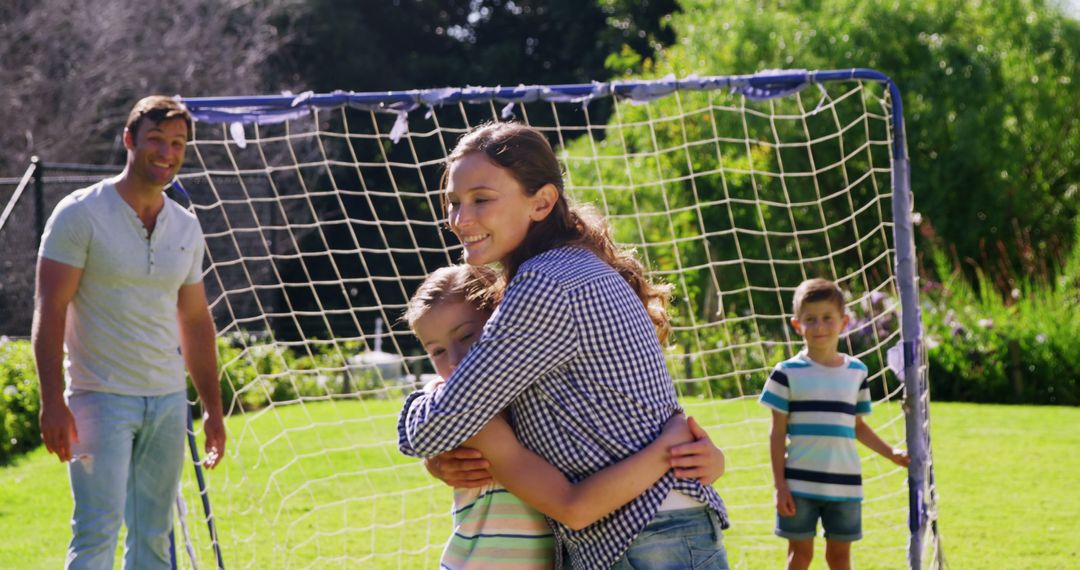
pixel 842 520
pixel 681 539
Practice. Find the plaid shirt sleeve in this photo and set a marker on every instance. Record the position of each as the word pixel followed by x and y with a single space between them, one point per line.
pixel 531 333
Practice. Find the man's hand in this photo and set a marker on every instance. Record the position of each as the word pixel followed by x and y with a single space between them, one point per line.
pixel 57 284
pixel 214 431
pixel 462 467
pixel 785 503
pixel 699 459
pixel 58 429
pixel 199 346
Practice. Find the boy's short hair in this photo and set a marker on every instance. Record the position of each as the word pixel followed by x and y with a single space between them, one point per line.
pixel 815 290
pixel 157 108
pixel 478 285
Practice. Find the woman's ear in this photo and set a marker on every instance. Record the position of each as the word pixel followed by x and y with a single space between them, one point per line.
pixel 543 202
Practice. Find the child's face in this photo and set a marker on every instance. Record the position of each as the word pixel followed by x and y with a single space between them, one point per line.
pixel 820 324
pixel 489 210
pixel 447 331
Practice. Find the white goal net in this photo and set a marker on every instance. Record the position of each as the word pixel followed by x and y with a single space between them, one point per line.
pixel 322 215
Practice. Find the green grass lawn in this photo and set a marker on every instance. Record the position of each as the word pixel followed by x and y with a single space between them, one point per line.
pixel 322 485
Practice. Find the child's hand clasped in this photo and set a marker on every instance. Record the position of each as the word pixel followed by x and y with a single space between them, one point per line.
pixel 900 457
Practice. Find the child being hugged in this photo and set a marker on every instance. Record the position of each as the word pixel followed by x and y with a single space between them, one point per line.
pixel 501 524
pixel 573 350
pixel 817 400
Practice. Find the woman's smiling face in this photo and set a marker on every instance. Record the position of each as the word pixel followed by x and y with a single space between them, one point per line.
pixel 488 209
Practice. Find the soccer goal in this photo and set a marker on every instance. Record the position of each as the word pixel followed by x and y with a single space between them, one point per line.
pixel 322 215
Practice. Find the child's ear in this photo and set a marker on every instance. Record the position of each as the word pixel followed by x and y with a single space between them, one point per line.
pixel 543 202
pixel 129 139
pixel 795 325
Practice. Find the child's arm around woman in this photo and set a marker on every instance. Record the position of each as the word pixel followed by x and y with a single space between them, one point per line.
pixel 532 479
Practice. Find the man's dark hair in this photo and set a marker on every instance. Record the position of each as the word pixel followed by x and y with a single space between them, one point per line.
pixel 157 108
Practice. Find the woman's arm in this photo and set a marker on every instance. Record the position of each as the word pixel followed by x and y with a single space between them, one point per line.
pixel 531 319
pixel 533 480
pixel 460 467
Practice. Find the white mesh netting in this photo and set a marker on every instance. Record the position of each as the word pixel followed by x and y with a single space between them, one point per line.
pixel 321 220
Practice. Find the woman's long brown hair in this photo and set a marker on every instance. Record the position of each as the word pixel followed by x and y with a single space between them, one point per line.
pixel 526 154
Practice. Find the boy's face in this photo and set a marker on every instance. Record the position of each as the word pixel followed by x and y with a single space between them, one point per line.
pixel 820 324
pixel 447 331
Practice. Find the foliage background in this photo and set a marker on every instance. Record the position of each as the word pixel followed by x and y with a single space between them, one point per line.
pixel 990 96
pixel 73 70
pixel 991 108
pixel 990 89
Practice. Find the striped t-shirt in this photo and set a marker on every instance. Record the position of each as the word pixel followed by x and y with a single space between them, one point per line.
pixel 495 529
pixel 821 403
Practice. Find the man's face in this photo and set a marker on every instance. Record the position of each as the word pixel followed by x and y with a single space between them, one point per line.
pixel 156 151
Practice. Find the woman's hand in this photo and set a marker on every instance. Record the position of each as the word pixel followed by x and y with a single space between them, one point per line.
pixel 699 459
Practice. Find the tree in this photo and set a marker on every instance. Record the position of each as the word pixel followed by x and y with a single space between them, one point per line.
pixel 72 70
pixel 415 44
pixel 992 112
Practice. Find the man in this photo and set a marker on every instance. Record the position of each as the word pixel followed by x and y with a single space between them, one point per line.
pixel 119 283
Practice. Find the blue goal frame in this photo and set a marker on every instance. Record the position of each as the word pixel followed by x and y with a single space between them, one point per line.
pixel 763 85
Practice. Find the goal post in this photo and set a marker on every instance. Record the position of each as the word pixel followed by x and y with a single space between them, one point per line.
pixel 322 215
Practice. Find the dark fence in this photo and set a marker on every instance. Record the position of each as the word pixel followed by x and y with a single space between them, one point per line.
pixel 28 201
pixel 28 208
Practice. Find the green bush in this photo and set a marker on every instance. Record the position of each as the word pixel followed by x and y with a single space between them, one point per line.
pixel 254 374
pixel 989 98
pixel 19 402
pixel 257 372
pixel 1022 347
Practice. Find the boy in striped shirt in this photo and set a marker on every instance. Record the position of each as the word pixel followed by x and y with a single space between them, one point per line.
pixel 817 400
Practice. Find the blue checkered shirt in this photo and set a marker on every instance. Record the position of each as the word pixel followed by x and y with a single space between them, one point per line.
pixel 573 354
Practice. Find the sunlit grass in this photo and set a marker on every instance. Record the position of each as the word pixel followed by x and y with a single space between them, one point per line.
pixel 322 485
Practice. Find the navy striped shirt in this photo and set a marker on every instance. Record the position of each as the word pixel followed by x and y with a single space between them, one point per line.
pixel 573 354
pixel 821 403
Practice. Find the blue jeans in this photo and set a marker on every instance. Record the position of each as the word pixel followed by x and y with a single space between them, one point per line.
pixel 681 539
pixel 126 466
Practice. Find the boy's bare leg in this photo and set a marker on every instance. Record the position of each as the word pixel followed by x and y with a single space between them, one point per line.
pixel 838 554
pixel 800 553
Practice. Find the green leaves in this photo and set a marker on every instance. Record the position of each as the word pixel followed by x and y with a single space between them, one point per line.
pixel 19 402
pixel 993 116
pixel 1023 347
